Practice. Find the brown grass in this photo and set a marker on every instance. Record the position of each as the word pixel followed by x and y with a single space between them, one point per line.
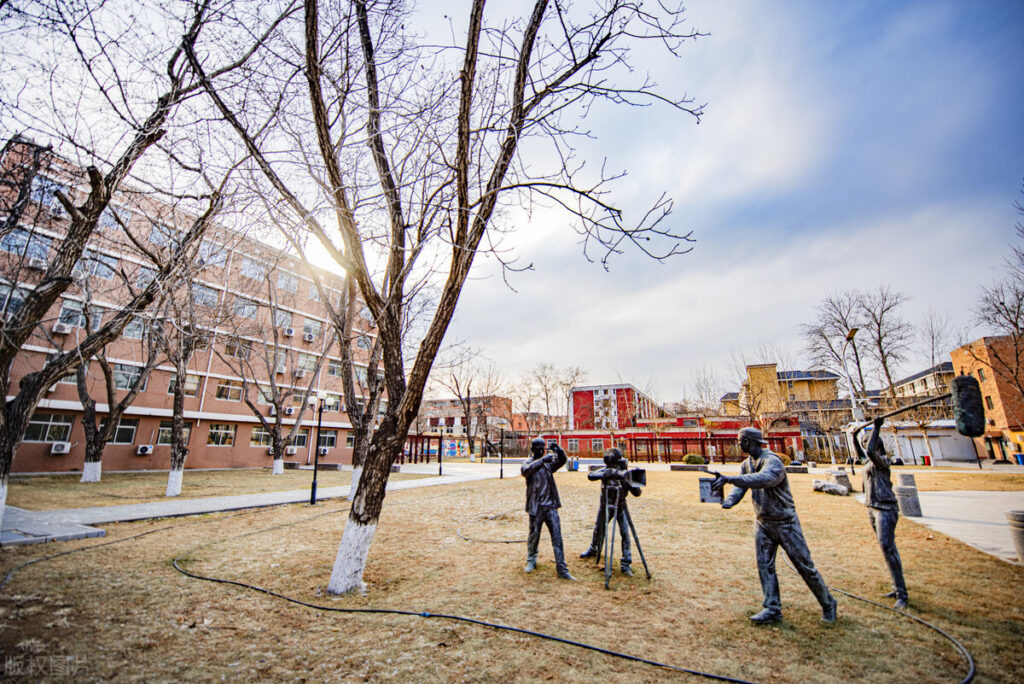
pixel 122 612
pixel 50 492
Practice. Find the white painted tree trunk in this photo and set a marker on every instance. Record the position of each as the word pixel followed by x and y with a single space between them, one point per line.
pixel 3 500
pixel 278 466
pixel 92 471
pixel 347 574
pixel 174 482
pixel 356 474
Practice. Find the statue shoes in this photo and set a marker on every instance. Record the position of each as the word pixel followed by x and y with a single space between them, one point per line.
pixel 828 612
pixel 901 603
pixel 564 574
pixel 766 617
pixel 627 571
pixel 531 565
pixel 589 553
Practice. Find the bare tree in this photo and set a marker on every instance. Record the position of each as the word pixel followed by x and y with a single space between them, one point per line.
pixel 888 334
pixel 708 389
pixel 415 161
pixel 826 336
pixel 936 336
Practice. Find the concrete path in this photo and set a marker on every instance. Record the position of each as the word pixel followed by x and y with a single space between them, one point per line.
pixel 977 519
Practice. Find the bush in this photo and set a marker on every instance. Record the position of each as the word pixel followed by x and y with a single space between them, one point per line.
pixel 694 459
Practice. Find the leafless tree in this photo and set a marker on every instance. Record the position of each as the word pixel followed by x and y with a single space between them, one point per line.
pixel 419 159
pixel 826 336
pixel 888 333
pixel 708 389
pixel 935 335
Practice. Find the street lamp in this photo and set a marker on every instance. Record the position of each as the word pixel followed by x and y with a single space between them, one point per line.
pixel 321 396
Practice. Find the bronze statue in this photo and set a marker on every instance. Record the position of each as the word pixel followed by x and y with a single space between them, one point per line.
pixel 776 525
pixel 542 503
pixel 883 510
pixel 615 469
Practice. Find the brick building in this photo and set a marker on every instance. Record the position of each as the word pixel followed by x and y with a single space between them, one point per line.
pixel 610 407
pixel 996 363
pixel 263 321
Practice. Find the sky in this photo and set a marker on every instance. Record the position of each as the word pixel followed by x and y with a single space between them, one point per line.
pixel 844 145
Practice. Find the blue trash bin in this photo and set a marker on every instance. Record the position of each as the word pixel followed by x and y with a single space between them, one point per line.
pixel 1020 458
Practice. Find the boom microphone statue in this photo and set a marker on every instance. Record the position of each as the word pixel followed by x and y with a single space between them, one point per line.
pixel 776 525
pixel 542 503
pixel 882 508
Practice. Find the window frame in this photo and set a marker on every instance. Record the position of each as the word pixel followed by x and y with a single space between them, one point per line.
pixel 221 434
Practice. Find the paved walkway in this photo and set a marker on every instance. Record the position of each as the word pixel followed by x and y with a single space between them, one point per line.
pixel 978 518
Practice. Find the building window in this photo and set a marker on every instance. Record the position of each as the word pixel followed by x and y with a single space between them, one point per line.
pixel 11 299
pixel 203 295
pixel 261 437
pixel 597 445
pixel 238 348
pixel 29 245
pixel 125 376
pixel 48 427
pixel 288 282
pixel 989 404
pixel 314 294
pixel 246 308
pixel 221 434
pixel 573 446
pixel 212 254
pixel 332 402
pixel 301 438
pixel 981 374
pixel 306 362
pixel 231 390
pixel 191 388
pixel 334 368
pixel 145 276
pixel 350 440
pixel 163 236
pixel 74 314
pixel 124 433
pixel 282 319
pixel 312 327
pixel 135 328
pixel 328 438
pixel 163 435
pixel 44 192
pixel 95 264
pixel 363 342
pixel 250 268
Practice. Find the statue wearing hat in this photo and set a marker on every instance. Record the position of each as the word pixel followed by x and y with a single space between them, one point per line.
pixel 776 525
pixel 542 502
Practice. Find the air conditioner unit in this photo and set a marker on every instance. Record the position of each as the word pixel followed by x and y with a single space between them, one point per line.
pixel 291 451
pixel 280 370
pixel 270 451
pixel 37 264
pixel 299 373
pixel 144 450
pixel 289 411
pixel 289 332
pixel 272 411
pixel 51 388
pixel 60 447
pixel 324 451
pixel 309 337
pixel 61 328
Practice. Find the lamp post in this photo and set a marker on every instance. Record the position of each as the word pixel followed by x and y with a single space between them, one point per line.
pixel 321 395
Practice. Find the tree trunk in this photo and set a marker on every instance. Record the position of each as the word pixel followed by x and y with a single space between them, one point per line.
pixel 174 481
pixel 278 465
pixel 357 473
pixel 386 444
pixel 93 466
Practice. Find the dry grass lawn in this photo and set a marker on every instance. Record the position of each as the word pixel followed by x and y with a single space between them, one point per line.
pixel 122 612
pixel 50 492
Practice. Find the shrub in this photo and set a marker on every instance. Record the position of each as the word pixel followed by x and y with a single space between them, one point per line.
pixel 694 459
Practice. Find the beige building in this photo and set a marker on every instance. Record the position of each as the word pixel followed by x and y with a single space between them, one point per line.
pixel 768 392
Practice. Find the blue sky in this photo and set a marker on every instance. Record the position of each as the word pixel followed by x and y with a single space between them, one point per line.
pixel 845 145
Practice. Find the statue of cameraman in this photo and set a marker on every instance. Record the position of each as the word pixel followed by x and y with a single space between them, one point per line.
pixel 615 470
pixel 542 502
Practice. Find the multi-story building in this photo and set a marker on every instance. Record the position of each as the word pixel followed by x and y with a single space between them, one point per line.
pixel 997 364
pixel 768 391
pixel 488 416
pixel 262 323
pixel 929 382
pixel 605 407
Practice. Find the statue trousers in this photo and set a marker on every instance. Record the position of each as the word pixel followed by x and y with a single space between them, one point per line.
pixel 768 537
pixel 549 517
pixel 883 522
pixel 622 525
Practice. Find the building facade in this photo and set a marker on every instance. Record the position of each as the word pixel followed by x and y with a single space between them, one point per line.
pixel 263 331
pixel 604 407
pixel 996 363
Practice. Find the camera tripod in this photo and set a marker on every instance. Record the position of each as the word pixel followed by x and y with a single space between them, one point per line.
pixel 613 495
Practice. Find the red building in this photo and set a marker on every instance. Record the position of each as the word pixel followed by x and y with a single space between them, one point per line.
pixel 604 407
